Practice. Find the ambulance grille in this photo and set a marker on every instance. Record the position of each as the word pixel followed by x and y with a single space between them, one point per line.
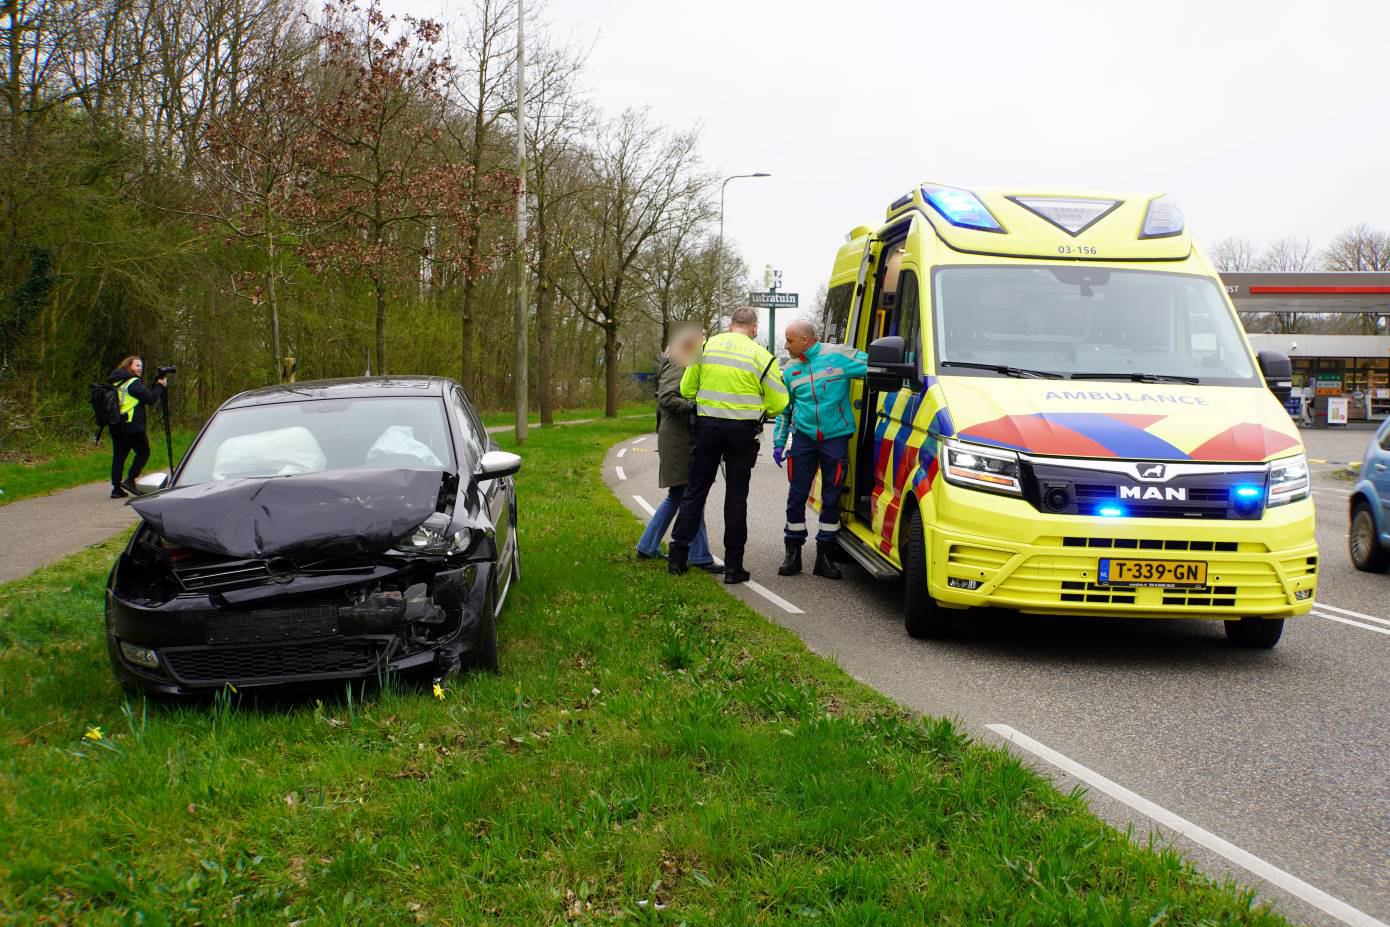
pixel 1297 567
pixel 1153 544
pixel 1047 580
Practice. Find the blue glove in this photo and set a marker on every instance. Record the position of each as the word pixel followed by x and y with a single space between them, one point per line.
pixel 779 454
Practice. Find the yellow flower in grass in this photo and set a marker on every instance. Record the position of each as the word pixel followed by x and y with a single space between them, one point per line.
pixel 439 691
pixel 94 734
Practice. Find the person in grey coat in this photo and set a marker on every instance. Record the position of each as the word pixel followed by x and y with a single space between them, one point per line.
pixel 673 442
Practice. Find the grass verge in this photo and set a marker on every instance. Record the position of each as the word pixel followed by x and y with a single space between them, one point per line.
pixel 652 752
pixel 54 465
pixel 493 419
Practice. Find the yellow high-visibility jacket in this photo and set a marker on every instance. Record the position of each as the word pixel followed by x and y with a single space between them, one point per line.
pixel 735 378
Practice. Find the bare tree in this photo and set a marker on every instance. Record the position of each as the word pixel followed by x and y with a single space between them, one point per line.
pixel 1233 255
pixel 1286 255
pixel 1359 248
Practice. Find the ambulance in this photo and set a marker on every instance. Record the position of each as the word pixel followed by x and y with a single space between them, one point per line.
pixel 1063 416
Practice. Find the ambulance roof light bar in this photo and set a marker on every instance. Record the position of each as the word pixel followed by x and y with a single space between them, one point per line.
pixel 961 208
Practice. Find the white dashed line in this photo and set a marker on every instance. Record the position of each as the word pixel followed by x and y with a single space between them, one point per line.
pixel 1267 871
pixel 1354 624
pixel 1346 611
pixel 639 439
pixel 774 598
pixel 646 506
pixel 622 451
pixel 621 474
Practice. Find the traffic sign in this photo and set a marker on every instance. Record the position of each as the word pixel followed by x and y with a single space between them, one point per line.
pixel 773 300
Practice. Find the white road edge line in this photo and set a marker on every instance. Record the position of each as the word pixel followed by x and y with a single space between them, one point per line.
pixel 1347 611
pixel 622 451
pixel 774 598
pixel 1267 871
pixel 621 474
pixel 1354 624
pixel 646 506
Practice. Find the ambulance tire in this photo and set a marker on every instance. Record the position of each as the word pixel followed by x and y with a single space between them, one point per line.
pixel 922 616
pixel 1260 633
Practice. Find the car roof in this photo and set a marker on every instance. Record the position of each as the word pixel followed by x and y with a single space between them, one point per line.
pixel 346 388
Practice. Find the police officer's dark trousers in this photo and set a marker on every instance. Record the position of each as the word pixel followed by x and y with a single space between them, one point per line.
pixel 736 444
pixel 138 443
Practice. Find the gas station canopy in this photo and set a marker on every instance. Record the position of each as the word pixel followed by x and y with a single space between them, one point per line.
pixel 1309 292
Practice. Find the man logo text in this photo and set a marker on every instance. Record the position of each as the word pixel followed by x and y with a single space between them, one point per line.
pixel 1159 493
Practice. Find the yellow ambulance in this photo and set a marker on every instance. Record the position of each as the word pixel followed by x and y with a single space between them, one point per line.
pixel 1063 417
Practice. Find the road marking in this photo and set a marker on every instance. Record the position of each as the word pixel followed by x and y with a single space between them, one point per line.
pixel 622 451
pixel 1354 624
pixel 774 598
pixel 621 474
pixel 639 439
pixel 1267 871
pixel 646 506
pixel 1347 611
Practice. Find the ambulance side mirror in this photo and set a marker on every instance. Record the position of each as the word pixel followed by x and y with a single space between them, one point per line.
pixel 1278 373
pixel 887 369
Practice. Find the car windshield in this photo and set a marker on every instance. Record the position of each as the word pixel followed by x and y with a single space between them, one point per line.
pixel 1087 321
pixel 290 438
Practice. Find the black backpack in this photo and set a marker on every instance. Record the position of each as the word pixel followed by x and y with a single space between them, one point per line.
pixel 106 406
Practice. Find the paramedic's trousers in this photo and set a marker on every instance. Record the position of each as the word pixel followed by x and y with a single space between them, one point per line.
pixel 831 457
pixel 736 444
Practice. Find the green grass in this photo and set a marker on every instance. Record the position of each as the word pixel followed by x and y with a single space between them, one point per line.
pixel 491 419
pixel 649 741
pixel 53 465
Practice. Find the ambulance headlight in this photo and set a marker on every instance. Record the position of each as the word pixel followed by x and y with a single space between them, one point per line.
pixel 961 208
pixel 1288 480
pixel 1162 220
pixel 983 468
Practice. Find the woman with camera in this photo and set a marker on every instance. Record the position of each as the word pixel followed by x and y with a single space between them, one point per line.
pixel 128 436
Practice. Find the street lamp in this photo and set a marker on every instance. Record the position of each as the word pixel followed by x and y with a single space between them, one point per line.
pixel 719 249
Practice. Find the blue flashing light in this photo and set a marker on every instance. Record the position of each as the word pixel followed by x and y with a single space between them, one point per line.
pixel 961 208
pixel 1163 219
pixel 1111 511
pixel 1248 492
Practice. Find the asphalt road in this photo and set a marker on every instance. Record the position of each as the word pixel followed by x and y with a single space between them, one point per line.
pixel 1283 754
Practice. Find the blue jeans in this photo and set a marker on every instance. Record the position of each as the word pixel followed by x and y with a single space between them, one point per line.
pixel 665 513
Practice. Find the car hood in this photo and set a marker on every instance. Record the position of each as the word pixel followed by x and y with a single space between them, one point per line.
pixel 1137 421
pixel 331 513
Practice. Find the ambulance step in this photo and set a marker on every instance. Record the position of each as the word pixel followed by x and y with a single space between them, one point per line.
pixel 866 557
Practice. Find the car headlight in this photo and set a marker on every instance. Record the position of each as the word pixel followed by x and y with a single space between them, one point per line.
pixel 436 535
pixel 983 468
pixel 1288 480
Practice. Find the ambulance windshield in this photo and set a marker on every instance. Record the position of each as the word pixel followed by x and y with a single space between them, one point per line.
pixel 1088 321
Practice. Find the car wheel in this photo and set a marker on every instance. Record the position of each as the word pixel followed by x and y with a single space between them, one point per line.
pixel 1262 633
pixel 1363 542
pixel 484 656
pixel 922 616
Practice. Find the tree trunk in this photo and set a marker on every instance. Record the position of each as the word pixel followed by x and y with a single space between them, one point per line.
pixel 610 369
pixel 380 287
pixel 270 301
pixel 545 297
pixel 466 337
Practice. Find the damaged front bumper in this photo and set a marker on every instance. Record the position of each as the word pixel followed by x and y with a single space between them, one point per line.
pixel 389 615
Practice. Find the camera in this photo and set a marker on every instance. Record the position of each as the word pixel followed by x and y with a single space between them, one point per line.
pixel 163 372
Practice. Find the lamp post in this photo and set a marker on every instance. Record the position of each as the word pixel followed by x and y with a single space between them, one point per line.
pixel 719 249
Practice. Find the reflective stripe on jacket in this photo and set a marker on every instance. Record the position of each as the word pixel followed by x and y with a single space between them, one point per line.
pixel 728 381
pixel 819 381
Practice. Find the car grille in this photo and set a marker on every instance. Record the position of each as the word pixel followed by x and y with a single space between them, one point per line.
pixel 1207 495
pixel 202 665
pixel 1046 580
pixel 205 576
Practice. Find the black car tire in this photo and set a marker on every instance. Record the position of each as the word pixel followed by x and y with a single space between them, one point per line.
pixel 1261 633
pixel 484 656
pixel 1363 542
pixel 923 618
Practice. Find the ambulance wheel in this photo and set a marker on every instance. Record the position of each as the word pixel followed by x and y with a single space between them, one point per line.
pixel 1363 542
pixel 1262 633
pixel 922 616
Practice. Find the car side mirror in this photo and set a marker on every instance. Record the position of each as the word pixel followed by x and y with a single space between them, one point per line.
pixel 151 482
pixel 1278 373
pixel 497 464
pixel 887 367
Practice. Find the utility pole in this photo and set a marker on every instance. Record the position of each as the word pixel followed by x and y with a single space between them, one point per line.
pixel 519 323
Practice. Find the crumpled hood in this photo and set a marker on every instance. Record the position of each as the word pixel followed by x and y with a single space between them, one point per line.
pixel 326 514
pixel 1106 418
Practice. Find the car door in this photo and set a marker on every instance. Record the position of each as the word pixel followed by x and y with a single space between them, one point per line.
pixel 1378 469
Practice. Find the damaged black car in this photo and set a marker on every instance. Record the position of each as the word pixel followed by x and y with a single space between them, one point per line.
pixel 320 532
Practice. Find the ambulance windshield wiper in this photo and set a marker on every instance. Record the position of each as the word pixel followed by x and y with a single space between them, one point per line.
pixel 1137 377
pixel 1005 370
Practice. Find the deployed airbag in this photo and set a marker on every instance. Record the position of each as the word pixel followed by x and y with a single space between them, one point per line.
pixel 401 440
pixel 280 452
pixel 336 512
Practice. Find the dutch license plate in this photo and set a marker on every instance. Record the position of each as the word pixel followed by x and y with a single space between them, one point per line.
pixel 1161 573
pixel 277 625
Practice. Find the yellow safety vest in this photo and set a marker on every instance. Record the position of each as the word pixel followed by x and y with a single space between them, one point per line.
pixel 734 378
pixel 128 402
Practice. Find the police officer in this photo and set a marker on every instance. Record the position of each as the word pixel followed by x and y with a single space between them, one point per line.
pixel 128 436
pixel 820 420
pixel 736 385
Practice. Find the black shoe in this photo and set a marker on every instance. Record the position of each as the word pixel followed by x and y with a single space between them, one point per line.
pixel 825 562
pixel 714 566
pixel 117 492
pixel 792 565
pixel 130 487
pixel 734 577
pixel 675 567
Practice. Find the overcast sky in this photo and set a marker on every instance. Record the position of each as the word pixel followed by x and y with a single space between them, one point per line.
pixel 1262 119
